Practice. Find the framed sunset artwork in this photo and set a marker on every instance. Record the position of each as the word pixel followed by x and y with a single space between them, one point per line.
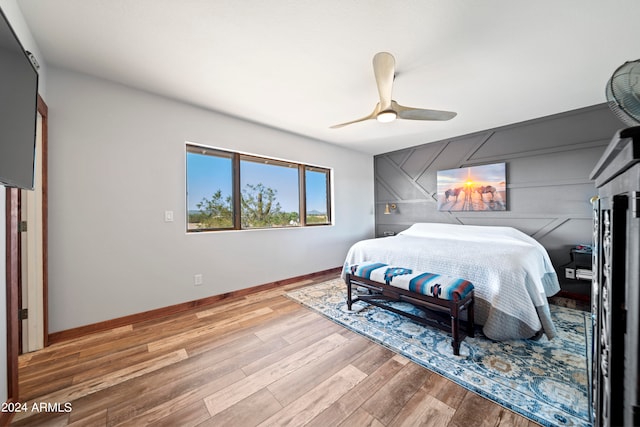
pixel 474 188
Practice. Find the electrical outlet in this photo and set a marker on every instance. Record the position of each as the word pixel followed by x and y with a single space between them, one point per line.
pixel 570 273
pixel 197 279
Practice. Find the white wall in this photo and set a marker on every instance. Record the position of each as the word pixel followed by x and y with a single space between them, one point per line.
pixel 13 14
pixel 117 163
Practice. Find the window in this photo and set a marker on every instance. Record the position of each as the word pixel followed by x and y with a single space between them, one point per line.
pixel 210 196
pixel 269 192
pixel 232 191
pixel 316 192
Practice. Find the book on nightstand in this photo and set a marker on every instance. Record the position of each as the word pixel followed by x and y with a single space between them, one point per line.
pixel 584 274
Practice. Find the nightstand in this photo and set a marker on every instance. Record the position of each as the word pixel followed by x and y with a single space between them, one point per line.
pixel 575 276
pixel 579 268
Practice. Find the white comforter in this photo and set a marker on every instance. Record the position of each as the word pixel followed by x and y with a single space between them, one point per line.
pixel 511 272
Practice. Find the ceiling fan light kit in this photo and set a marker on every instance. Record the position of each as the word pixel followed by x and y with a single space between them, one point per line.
pixel 387 110
pixel 386 116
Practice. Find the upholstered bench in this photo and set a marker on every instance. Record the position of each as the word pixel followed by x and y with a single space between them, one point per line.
pixel 434 294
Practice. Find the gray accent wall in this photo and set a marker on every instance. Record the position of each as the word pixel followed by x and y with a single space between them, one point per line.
pixel 548 161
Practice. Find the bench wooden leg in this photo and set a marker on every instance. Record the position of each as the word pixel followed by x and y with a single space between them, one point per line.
pixel 470 319
pixel 455 334
pixel 349 300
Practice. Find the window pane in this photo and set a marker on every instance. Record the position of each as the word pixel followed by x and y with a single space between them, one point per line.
pixel 209 189
pixel 269 193
pixel 317 199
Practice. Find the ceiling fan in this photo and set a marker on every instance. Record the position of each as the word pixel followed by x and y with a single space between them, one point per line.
pixel 387 110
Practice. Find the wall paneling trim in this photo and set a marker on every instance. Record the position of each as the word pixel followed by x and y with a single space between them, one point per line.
pixel 548 187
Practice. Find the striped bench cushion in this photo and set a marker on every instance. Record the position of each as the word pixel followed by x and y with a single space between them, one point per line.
pixel 421 282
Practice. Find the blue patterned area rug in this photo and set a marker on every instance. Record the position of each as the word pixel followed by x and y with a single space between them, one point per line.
pixel 544 381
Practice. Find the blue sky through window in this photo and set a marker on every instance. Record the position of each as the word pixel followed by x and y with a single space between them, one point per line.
pixel 283 179
pixel 207 174
pixel 316 190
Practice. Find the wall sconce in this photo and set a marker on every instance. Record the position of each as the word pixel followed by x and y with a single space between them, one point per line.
pixel 389 207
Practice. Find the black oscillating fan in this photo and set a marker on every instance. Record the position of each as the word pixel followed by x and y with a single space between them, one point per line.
pixel 623 92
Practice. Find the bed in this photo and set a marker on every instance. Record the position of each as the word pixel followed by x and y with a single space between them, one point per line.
pixel 511 271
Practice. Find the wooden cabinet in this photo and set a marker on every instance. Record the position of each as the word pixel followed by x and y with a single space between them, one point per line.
pixel 615 292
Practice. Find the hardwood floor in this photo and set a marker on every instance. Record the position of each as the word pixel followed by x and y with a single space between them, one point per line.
pixel 257 360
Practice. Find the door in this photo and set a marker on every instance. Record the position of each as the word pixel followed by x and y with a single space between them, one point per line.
pixel 31 258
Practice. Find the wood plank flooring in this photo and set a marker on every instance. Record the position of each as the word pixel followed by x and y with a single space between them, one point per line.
pixel 259 360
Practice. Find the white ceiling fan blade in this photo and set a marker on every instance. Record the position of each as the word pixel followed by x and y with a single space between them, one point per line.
pixel 369 117
pixel 421 113
pixel 384 69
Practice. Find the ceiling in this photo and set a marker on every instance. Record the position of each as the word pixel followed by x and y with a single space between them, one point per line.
pixel 304 65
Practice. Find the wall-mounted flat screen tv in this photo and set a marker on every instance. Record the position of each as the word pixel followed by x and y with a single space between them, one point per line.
pixel 18 110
